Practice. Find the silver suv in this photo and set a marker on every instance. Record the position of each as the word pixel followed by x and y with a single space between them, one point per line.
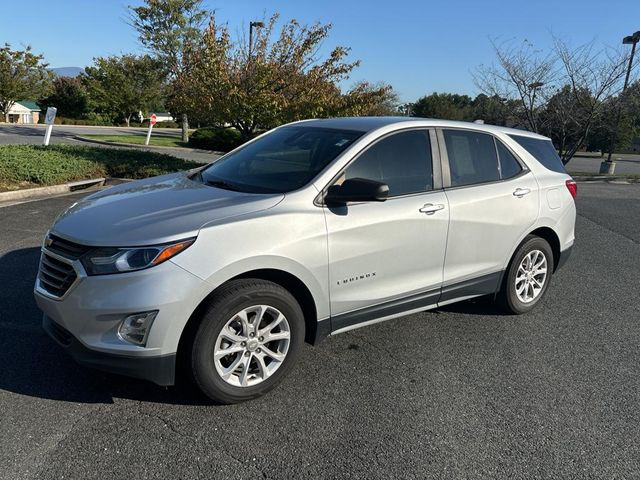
pixel 312 229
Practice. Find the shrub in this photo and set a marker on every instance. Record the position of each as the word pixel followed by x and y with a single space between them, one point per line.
pixel 30 165
pixel 218 139
pixel 91 119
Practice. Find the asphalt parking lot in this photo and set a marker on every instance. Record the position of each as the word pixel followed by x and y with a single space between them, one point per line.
pixel 463 392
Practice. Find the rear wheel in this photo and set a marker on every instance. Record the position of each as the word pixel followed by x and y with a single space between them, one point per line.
pixel 248 340
pixel 528 276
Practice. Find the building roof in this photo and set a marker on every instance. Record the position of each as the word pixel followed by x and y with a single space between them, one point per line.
pixel 368 124
pixel 31 105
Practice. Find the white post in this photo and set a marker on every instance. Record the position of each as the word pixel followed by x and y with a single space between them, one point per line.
pixel 47 135
pixel 49 120
pixel 146 142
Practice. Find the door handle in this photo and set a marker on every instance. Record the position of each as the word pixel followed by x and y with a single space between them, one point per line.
pixel 431 208
pixel 521 192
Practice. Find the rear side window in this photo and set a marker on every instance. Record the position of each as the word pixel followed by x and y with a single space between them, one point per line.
pixel 472 157
pixel 543 151
pixel 509 166
pixel 401 160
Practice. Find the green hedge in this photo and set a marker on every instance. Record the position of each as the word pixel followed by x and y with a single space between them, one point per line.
pixel 30 165
pixel 218 139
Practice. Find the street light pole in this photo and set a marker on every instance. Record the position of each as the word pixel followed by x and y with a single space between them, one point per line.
pixel 253 25
pixel 609 166
pixel 534 86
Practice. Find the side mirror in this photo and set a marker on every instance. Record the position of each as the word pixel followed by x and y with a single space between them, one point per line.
pixel 356 190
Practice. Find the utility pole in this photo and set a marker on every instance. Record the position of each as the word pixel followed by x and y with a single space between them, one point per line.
pixel 609 166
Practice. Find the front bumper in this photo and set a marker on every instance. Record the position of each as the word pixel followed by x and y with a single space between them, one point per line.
pixel 157 369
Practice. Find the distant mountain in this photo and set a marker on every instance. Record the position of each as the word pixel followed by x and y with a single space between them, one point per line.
pixel 67 71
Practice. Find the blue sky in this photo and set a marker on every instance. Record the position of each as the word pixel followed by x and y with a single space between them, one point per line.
pixel 417 46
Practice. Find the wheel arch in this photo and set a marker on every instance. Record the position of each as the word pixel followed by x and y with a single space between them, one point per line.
pixel 294 285
pixel 544 232
pixel 552 239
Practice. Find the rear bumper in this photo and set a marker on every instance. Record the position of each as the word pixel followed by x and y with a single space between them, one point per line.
pixel 564 256
pixel 157 369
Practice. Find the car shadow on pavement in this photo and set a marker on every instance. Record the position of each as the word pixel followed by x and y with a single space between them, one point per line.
pixel 34 365
pixel 485 305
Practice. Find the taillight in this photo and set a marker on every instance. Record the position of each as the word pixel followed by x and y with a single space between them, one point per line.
pixel 572 186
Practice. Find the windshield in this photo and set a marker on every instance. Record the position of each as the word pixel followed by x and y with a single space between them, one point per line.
pixel 281 161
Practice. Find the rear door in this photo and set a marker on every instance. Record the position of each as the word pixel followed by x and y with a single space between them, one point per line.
pixel 493 201
pixel 387 257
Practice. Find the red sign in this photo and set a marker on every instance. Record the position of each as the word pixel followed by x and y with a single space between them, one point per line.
pixel 153 119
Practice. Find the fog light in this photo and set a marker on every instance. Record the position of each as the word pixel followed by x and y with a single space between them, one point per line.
pixel 135 328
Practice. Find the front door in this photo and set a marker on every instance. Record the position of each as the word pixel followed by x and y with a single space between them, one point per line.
pixel 387 257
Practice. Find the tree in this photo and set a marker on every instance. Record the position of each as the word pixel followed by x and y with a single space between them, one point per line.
pixel 375 100
pixel 448 106
pixel 522 73
pixel 123 86
pixel 271 82
pixel 588 78
pixel 628 104
pixel 167 28
pixel 69 96
pixel 23 76
pixel 594 78
pixel 494 110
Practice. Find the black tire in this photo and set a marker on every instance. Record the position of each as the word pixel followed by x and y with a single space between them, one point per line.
pixel 229 300
pixel 508 295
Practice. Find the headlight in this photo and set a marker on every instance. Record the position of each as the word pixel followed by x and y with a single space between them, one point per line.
pixel 103 261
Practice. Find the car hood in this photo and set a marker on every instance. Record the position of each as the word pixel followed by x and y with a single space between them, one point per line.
pixel 154 210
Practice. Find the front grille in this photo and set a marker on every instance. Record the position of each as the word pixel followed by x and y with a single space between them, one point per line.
pixel 66 248
pixel 55 276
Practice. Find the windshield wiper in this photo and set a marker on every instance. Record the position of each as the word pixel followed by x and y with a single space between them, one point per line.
pixel 222 184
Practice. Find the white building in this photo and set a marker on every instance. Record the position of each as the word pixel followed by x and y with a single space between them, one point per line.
pixel 24 112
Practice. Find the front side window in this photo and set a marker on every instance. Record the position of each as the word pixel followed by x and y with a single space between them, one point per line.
pixel 472 157
pixel 401 160
pixel 282 161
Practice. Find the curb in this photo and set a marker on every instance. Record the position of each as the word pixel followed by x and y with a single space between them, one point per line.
pixel 605 178
pixel 28 193
pixel 143 147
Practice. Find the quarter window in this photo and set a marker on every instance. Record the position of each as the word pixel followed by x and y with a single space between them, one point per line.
pixel 402 161
pixel 509 166
pixel 543 151
pixel 472 157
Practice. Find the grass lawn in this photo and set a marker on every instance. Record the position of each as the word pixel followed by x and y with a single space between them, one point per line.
pixel 159 141
pixel 28 166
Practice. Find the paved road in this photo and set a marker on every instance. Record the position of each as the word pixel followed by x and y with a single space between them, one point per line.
pixel 34 134
pixel 626 164
pixel 463 392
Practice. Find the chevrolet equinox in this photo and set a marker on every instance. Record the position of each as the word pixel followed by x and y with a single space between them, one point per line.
pixel 311 229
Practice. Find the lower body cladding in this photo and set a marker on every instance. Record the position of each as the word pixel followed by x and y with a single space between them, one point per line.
pixel 87 321
pixel 489 284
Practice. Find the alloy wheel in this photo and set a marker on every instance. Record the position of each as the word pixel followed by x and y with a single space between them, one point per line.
pixel 531 276
pixel 252 345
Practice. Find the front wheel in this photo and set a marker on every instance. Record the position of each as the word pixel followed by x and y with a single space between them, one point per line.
pixel 248 340
pixel 528 276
